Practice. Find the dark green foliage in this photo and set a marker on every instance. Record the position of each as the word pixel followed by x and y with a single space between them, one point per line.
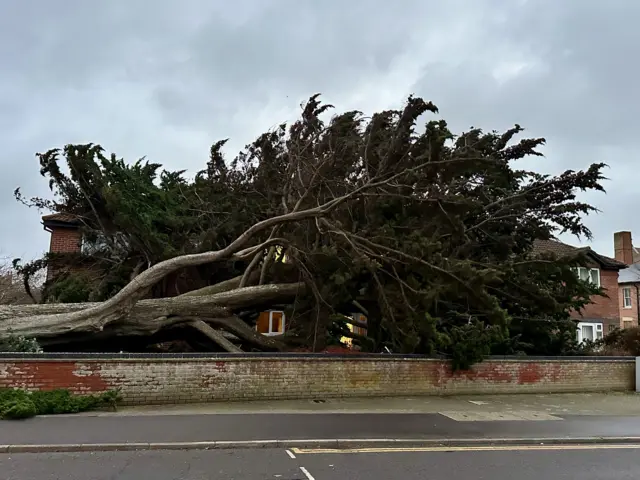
pixel 17 409
pixel 70 289
pixel 433 236
pixel 17 404
pixel 471 343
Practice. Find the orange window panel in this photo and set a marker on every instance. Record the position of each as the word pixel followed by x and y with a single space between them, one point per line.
pixel 262 325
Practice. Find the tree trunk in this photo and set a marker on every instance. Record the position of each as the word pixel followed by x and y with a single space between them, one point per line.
pixel 147 317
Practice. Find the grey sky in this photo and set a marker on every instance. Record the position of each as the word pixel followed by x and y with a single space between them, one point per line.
pixel 166 78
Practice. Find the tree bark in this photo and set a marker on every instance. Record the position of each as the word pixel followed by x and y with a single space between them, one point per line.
pixel 146 317
pixel 163 325
pixel 235 325
pixel 214 335
pixel 220 287
pixel 244 280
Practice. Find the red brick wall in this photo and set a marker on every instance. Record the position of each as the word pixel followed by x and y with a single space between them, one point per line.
pixel 64 240
pixel 185 380
pixel 606 309
pixel 628 313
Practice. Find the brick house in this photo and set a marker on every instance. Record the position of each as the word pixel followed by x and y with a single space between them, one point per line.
pixel 629 281
pixel 65 237
pixel 603 314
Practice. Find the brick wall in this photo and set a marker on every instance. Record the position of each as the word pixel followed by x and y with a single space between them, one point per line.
pixel 628 316
pixel 64 240
pixel 606 309
pixel 146 380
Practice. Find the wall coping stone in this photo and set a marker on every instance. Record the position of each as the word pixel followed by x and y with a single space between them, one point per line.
pixel 17 357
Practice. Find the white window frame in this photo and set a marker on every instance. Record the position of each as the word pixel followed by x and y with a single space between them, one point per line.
pixel 598 331
pixel 271 333
pixel 590 273
pixel 627 301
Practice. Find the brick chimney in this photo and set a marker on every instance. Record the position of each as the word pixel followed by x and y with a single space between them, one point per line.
pixel 623 247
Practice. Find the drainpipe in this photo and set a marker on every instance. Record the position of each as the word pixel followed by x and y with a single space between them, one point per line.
pixel 637 303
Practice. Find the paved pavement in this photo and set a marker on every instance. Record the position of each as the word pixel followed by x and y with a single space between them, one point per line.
pixel 207 428
pixel 436 419
pixel 595 463
pixel 615 403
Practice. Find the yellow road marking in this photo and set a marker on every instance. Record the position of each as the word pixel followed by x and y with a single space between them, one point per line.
pixel 487 448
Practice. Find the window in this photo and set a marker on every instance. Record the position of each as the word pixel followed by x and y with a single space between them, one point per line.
pixel 589 331
pixel 591 275
pixel 271 323
pixel 358 330
pixel 626 297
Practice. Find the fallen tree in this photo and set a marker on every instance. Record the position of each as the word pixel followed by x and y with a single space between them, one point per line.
pixel 148 317
pixel 429 234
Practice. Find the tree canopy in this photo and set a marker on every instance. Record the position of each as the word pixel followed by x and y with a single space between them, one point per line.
pixel 428 233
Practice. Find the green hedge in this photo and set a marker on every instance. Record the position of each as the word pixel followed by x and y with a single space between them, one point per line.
pixel 17 404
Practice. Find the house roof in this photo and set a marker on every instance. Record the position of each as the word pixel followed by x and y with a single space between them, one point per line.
pixel 60 220
pixel 563 249
pixel 631 274
pixel 553 246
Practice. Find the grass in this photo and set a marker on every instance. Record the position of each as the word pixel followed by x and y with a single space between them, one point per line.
pixel 18 404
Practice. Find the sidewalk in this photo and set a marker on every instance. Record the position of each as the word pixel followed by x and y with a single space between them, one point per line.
pixel 601 404
pixel 337 423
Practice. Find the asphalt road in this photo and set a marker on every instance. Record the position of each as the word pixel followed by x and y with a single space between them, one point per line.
pixel 194 428
pixel 596 463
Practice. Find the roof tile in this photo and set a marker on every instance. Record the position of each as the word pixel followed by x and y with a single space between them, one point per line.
pixel 61 217
pixel 563 249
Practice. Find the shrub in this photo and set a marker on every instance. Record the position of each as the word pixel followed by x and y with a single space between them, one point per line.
pixel 18 343
pixel 18 409
pixel 619 342
pixel 17 404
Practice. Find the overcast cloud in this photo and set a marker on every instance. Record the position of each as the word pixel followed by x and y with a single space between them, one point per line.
pixel 166 78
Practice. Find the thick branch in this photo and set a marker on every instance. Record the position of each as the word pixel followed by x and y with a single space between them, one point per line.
pixel 24 319
pixel 220 287
pixel 244 280
pixel 214 336
pixel 359 305
pixel 265 265
pixel 235 325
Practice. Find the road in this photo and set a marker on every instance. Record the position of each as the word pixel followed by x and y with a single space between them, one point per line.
pixel 591 463
pixel 231 427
